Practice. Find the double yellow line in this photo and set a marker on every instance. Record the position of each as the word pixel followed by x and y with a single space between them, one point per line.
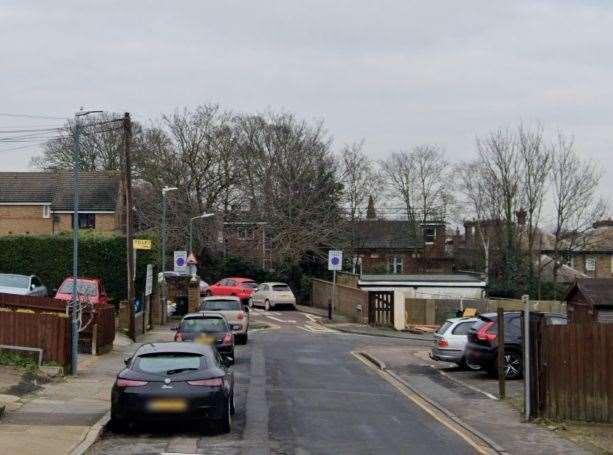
pixel 475 442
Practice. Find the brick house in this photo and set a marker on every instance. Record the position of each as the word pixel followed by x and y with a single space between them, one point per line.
pixel 41 203
pixel 393 246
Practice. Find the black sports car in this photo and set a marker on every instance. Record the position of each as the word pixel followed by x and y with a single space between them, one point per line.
pixel 164 381
pixel 207 328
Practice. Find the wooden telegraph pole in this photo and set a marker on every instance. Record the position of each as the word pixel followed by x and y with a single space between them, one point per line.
pixel 127 128
pixel 500 336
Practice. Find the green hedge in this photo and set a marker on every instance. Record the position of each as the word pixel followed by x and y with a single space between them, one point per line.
pixel 50 258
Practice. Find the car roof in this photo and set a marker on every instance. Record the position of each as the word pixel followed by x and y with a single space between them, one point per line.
pixel 458 320
pixel 237 278
pixel 273 283
pixel 16 274
pixel 172 346
pixel 204 314
pixel 221 298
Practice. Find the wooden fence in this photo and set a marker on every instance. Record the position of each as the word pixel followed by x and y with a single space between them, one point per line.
pixel 573 372
pixel 99 334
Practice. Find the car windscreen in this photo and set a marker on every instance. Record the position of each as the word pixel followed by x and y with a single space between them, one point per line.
pixel 442 329
pixel 83 288
pixel 169 362
pixel 14 281
pixel 281 288
pixel 192 325
pixel 249 284
pixel 221 305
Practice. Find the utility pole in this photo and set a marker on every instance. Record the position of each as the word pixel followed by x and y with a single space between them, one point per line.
pixel 75 253
pixel 127 128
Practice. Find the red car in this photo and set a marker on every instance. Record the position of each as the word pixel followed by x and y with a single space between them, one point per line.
pixel 90 288
pixel 239 287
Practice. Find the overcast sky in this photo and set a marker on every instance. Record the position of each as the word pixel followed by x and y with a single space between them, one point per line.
pixel 394 73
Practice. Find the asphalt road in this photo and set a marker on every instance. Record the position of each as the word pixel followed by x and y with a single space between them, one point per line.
pixel 300 391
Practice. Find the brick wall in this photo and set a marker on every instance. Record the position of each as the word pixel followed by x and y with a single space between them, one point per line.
pixel 349 300
pixel 22 219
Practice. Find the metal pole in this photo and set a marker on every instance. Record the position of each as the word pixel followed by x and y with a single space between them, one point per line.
pixel 333 290
pixel 527 404
pixel 74 357
pixel 127 126
pixel 163 261
pixel 191 230
pixel 501 337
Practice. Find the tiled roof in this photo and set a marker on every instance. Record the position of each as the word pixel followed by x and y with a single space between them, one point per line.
pixel 98 191
pixel 384 234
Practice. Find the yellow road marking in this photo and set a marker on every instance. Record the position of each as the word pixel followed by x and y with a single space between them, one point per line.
pixel 427 408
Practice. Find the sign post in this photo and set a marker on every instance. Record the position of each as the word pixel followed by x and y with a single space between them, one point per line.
pixel 335 262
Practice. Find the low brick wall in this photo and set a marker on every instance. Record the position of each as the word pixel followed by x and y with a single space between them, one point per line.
pixel 350 301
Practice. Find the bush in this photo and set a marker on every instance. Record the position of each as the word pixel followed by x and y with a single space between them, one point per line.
pixel 50 258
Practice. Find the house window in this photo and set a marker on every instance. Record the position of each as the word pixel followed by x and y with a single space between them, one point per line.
pixel 86 220
pixel 245 233
pixel 429 234
pixel 46 211
pixel 395 264
pixel 590 264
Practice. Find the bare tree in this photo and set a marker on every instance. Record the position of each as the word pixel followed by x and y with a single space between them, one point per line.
pixel 535 159
pixel 420 179
pixel 499 157
pixel 360 180
pixel 576 205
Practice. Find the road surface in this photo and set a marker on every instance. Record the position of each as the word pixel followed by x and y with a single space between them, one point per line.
pixel 300 391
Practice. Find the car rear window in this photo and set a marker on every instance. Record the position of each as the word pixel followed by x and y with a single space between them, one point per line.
pixel 169 363
pixel 221 305
pixel 83 288
pixel 249 284
pixel 462 328
pixel 281 288
pixel 14 281
pixel 203 325
pixel 442 329
pixel 481 322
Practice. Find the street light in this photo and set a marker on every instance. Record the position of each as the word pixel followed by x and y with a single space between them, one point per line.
pixel 74 354
pixel 191 227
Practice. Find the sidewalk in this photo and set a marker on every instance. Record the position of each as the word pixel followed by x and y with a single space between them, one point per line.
pixel 495 419
pixel 57 418
pixel 343 324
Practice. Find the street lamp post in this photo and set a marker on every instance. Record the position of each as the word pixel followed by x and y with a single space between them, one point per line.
pixel 165 190
pixel 74 357
pixel 191 228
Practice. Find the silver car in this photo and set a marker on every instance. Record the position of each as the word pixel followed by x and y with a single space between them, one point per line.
pixel 450 341
pixel 231 308
pixel 22 285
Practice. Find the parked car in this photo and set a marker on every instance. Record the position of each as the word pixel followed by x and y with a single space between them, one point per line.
pixel 482 346
pixel 269 295
pixel 232 309
pixel 207 328
pixel 91 289
pixel 450 341
pixel 170 381
pixel 235 286
pixel 22 285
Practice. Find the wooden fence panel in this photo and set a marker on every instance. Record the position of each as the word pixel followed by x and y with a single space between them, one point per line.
pixel 575 371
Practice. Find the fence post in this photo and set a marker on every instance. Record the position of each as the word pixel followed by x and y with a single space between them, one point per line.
pixel 95 339
pixel 526 363
pixel 500 336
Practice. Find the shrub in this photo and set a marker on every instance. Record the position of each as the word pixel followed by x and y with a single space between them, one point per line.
pixel 50 258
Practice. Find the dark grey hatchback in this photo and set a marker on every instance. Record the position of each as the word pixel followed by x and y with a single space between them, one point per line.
pixel 170 381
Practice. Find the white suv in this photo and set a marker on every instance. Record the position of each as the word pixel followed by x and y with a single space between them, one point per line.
pixel 269 295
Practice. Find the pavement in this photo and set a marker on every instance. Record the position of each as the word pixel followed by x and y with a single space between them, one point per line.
pixel 56 417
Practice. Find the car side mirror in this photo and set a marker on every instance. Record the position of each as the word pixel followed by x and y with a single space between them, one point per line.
pixel 174 329
pixel 227 361
pixel 32 287
pixel 127 359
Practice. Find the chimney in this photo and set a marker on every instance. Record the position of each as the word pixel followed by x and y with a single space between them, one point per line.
pixel 521 217
pixel 371 214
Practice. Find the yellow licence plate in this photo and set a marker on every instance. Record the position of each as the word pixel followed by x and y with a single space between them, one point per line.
pixel 169 405
pixel 205 339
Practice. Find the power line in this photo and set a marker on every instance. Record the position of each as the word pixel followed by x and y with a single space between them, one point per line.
pixel 48 117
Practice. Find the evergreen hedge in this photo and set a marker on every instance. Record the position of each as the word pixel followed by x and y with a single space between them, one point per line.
pixel 100 256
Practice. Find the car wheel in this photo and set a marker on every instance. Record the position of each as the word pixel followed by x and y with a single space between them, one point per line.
pixel 467 366
pixel 116 425
pixel 232 407
pixel 245 338
pixel 267 305
pixel 512 365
